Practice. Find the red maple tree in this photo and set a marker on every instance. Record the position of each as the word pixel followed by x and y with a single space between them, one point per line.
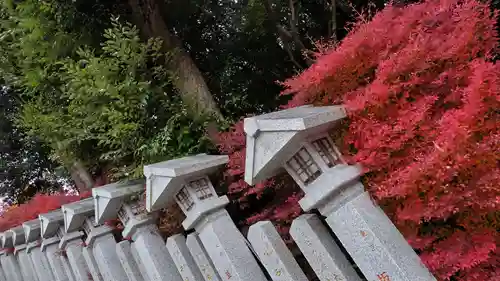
pixel 423 98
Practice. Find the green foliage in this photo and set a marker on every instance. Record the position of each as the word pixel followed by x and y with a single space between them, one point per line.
pixel 111 107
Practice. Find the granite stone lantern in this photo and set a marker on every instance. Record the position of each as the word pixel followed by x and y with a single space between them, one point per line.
pixel 298 141
pixel 52 230
pixel 76 216
pixel 24 260
pixel 8 260
pixel 124 201
pixel 32 230
pixel 186 182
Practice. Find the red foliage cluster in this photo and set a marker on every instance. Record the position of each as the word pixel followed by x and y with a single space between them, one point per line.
pixel 40 204
pixel 423 99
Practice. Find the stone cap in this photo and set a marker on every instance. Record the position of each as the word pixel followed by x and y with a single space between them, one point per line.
pixel 7 239
pixel 50 223
pixel 32 230
pixel 109 198
pixel 273 137
pixel 18 236
pixel 165 179
pixel 75 213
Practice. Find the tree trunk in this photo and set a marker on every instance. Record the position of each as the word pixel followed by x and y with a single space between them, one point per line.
pixel 189 80
pixel 81 177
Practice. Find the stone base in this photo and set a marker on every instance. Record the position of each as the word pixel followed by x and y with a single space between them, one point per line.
pixel 11 267
pixel 124 252
pixel 183 260
pixel 77 261
pixel 374 243
pixel 153 255
pixel 228 249
pixel 104 250
pixel 273 253
pixel 321 251
pixel 40 263
pixel 92 264
pixel 201 258
pixel 26 265
pixel 56 262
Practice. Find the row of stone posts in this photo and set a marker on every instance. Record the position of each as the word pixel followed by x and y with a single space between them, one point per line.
pixel 74 243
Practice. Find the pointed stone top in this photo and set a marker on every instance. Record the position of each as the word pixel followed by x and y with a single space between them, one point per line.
pixel 272 137
pixel 75 213
pixel 32 230
pixel 185 166
pixel 7 239
pixel 18 237
pixel 109 198
pixel 164 179
pixel 50 223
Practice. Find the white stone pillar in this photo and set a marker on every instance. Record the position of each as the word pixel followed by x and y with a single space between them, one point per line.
pixel 40 261
pixel 378 248
pixel 273 253
pixel 201 258
pixel 324 256
pixel 32 230
pixel 2 273
pixel 92 264
pixel 50 246
pixel 183 260
pixel 25 263
pixel 153 254
pixel 8 259
pixel 227 248
pixel 124 251
pixel 72 244
pixel 104 250
pixel 10 266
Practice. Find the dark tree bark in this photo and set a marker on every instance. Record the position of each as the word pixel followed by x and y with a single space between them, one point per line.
pixel 189 80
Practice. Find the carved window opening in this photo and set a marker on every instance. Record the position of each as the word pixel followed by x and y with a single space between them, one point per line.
pixel 123 215
pixel 304 166
pixel 89 225
pixel 327 152
pixel 184 199
pixel 202 188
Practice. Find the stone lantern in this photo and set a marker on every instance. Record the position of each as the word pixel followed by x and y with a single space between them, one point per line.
pixel 52 230
pixel 186 182
pixel 9 262
pixel 124 201
pixel 25 263
pixel 32 230
pixel 297 140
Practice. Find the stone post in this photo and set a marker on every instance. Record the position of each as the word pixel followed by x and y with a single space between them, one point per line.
pixel 41 264
pixel 201 258
pixel 185 263
pixel 122 200
pixel 50 224
pixel 298 140
pixel 186 180
pixel 72 244
pixel 124 251
pixel 8 260
pixel 2 273
pixel 76 220
pixel 51 230
pixel 273 253
pixel 25 262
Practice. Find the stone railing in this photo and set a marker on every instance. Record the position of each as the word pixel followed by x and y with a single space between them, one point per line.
pixel 75 244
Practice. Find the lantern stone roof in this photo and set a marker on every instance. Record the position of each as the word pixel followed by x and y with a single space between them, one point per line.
pixel 18 236
pixel 32 230
pixel 7 239
pixel 273 137
pixel 109 198
pixel 50 223
pixel 75 213
pixel 165 179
